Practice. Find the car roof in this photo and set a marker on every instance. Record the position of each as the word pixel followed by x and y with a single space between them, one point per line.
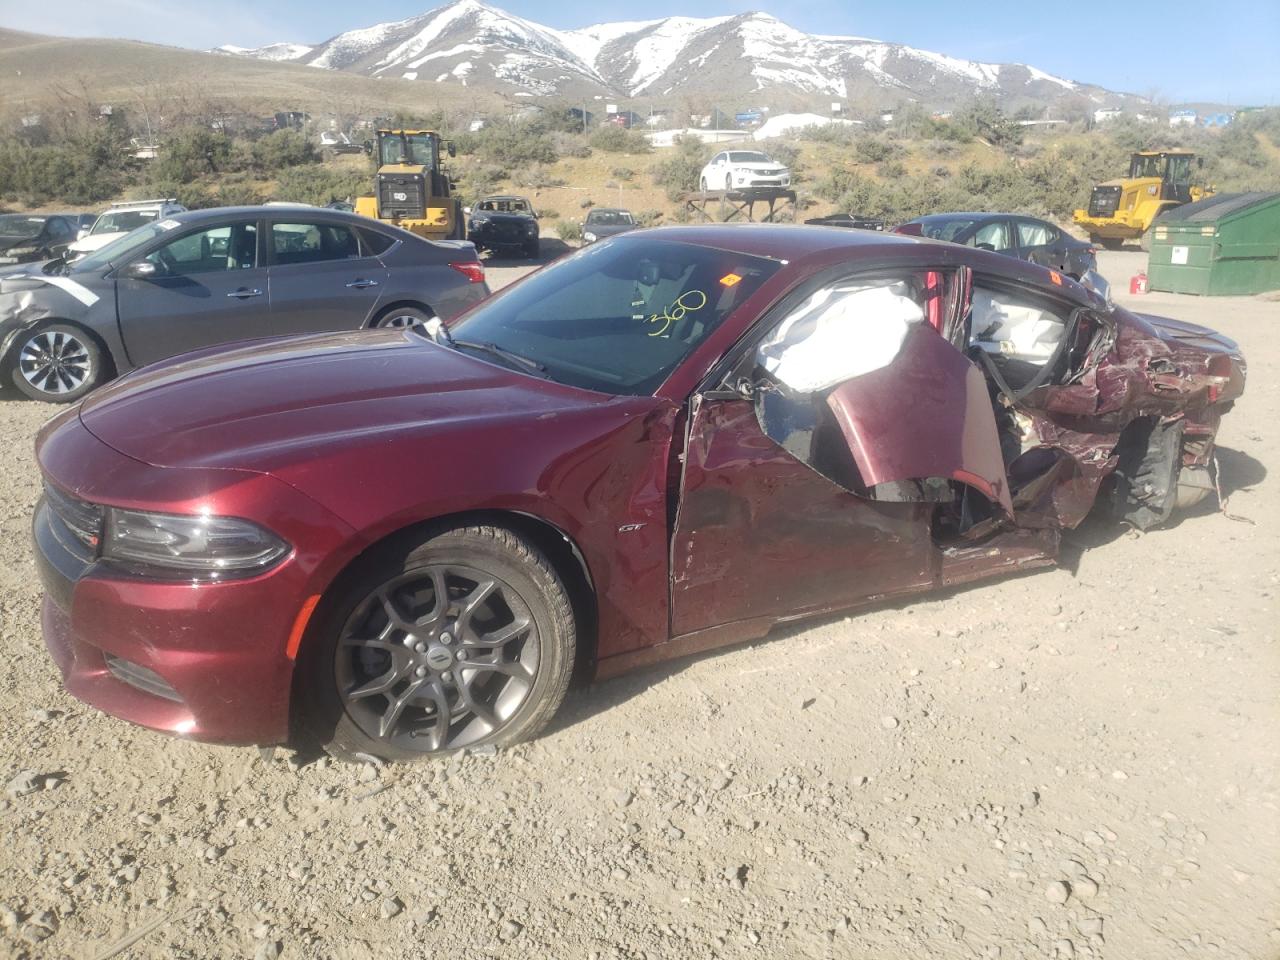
pixel 504 196
pixel 608 210
pixel 795 243
pixel 274 211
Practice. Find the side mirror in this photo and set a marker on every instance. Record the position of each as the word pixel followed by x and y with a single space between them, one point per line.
pixel 82 233
pixel 467 211
pixel 452 148
pixel 368 147
pixel 141 270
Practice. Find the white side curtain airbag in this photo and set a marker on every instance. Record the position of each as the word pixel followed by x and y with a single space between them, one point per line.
pixel 840 333
pixel 1014 330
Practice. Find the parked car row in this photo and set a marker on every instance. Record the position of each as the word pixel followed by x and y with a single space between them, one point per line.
pixel 401 542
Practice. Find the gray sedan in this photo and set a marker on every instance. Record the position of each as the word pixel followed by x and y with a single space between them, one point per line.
pixel 208 277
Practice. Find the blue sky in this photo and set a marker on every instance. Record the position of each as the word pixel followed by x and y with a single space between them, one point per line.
pixel 1181 50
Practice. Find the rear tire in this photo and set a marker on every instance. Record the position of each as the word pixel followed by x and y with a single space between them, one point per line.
pixel 57 363
pixel 402 317
pixel 400 671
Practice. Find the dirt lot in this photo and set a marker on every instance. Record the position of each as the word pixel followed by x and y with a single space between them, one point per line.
pixel 920 781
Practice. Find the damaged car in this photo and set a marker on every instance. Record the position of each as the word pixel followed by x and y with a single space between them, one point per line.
pixel 197 278
pixel 398 543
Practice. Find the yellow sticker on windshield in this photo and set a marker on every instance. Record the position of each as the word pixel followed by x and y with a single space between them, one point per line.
pixel 729 279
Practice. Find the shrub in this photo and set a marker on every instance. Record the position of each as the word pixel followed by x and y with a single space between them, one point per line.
pixel 191 153
pixel 515 145
pixel 612 138
pixel 238 190
pixel 281 150
pixel 321 184
pixel 679 170
pixel 874 150
pixel 647 218
pixel 570 145
pixel 891 170
pixel 568 230
pixel 540 178
pixel 622 173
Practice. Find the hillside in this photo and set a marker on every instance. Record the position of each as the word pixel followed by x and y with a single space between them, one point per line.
pixel 751 59
pixel 38 69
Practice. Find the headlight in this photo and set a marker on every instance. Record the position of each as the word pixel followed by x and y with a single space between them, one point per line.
pixel 530 228
pixel 202 548
pixel 589 237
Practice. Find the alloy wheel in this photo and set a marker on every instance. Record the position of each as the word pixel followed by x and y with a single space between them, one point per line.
pixel 437 658
pixel 400 320
pixel 55 362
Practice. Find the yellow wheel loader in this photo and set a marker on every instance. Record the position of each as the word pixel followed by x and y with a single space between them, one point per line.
pixel 412 189
pixel 1123 209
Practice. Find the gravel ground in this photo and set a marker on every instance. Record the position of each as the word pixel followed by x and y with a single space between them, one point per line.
pixel 1079 762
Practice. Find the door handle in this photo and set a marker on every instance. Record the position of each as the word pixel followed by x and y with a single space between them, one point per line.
pixel 362 284
pixel 243 294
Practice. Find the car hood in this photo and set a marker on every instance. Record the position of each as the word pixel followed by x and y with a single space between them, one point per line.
pixel 7 242
pixel 268 404
pixel 95 241
pixel 1168 328
pixel 758 166
pixel 502 217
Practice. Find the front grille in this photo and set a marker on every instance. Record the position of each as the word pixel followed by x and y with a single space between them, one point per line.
pixel 140 678
pixel 1104 201
pixel 401 195
pixel 76 523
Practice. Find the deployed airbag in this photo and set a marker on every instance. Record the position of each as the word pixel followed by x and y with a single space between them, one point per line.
pixel 1013 330
pixel 838 334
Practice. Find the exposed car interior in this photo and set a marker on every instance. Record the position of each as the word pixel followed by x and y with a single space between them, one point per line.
pixel 504 205
pixel 811 367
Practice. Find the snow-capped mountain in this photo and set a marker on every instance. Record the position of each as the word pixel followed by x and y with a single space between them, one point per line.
pixel 752 56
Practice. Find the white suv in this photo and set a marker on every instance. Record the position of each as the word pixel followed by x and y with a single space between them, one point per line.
pixel 737 169
pixel 119 219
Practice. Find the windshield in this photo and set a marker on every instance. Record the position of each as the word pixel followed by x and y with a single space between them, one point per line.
pixel 120 248
pixel 620 315
pixel 945 229
pixel 748 156
pixel 415 148
pixel 609 218
pixel 122 221
pixel 1141 166
pixel 15 225
pixel 506 205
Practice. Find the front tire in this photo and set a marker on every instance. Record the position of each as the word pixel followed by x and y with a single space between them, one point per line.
pixel 57 363
pixel 1110 243
pixel 464 639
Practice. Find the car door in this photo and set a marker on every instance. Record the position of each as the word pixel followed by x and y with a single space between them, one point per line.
pixel 1040 243
pixel 322 278
pixel 995 235
pixel 209 287
pixel 813 486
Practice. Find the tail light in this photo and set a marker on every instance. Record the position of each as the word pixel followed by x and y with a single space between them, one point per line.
pixel 473 270
pixel 910 229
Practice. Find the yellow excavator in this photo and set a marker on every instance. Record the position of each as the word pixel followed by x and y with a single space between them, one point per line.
pixel 1123 209
pixel 412 189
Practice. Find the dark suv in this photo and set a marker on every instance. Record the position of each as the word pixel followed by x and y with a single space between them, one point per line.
pixel 504 223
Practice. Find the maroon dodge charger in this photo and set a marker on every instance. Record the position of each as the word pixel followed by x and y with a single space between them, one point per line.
pixel 401 542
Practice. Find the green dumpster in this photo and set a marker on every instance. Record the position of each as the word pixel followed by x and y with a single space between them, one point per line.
pixel 1227 244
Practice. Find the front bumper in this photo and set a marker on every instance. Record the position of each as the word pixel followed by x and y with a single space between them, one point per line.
pixel 209 661
pixel 740 183
pixel 491 236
